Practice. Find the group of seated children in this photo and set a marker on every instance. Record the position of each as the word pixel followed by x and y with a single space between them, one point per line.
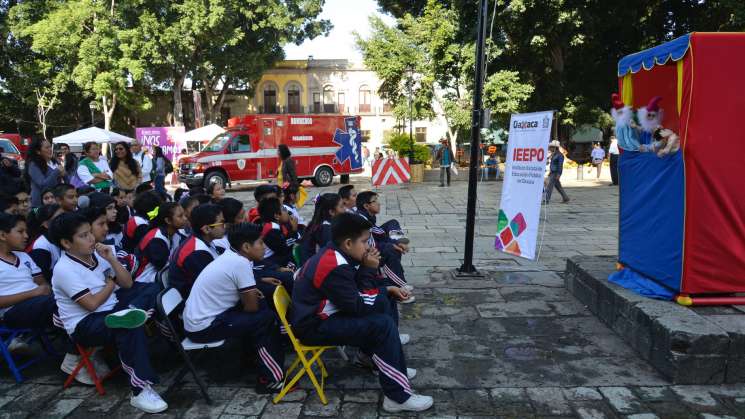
pixel 93 273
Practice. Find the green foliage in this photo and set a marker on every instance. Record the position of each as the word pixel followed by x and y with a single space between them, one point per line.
pixel 401 144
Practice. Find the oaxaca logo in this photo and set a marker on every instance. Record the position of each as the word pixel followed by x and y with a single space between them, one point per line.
pixel 525 124
pixel 508 232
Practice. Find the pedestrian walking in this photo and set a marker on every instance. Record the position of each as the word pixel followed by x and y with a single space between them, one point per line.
pixel 556 167
pixel 287 171
pixel 159 163
pixel 597 155
pixel 613 153
pixel 445 157
pixel 365 154
pixel 42 171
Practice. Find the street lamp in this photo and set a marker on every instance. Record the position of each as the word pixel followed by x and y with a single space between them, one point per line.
pixel 92 107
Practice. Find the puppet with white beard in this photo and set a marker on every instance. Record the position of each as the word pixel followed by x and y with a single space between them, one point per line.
pixel 626 132
pixel 650 118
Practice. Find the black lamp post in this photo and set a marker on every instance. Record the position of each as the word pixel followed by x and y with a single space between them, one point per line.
pixel 410 84
pixel 92 107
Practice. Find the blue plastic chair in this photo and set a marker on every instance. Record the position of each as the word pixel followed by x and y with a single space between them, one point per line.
pixel 8 334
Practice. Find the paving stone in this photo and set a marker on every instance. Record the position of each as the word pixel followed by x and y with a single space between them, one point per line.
pixel 643 416
pixel 314 407
pixel 508 395
pixel 695 395
pixel 711 416
pixel 582 393
pixel 592 410
pixel 655 393
pixel 367 396
pixel 549 400
pixel 247 402
pixel 200 409
pixel 61 408
pixel 622 399
pixel 282 410
pixel 359 410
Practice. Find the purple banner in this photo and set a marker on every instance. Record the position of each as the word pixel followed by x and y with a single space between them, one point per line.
pixel 162 137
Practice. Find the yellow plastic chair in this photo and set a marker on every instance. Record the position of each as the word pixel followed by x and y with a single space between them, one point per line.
pixel 282 302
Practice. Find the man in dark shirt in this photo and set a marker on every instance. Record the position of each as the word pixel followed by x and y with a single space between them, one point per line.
pixel 555 169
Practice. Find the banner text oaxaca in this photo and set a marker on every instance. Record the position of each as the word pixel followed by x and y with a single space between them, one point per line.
pixel 525 167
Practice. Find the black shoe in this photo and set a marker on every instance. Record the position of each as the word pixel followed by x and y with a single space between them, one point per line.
pixel 264 386
pixel 564 201
pixel 442 186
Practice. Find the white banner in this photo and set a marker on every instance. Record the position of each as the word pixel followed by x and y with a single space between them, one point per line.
pixel 522 192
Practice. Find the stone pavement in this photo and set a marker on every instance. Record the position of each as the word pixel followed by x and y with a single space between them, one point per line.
pixel 514 344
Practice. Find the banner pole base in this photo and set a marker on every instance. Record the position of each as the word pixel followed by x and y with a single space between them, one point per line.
pixel 467 272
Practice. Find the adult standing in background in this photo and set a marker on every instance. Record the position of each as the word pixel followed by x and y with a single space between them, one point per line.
pixel 94 170
pixel 445 157
pixel 613 153
pixel 597 155
pixel 42 171
pixel 556 167
pixel 69 160
pixel 287 169
pixel 127 172
pixel 146 163
pixel 159 163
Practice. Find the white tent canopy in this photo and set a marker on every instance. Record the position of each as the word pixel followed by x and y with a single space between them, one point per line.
pixel 205 133
pixel 95 134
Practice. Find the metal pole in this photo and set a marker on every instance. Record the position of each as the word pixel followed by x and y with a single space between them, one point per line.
pixel 467 267
pixel 411 122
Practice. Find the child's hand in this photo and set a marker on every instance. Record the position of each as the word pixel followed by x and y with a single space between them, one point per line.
pixel 401 248
pixel 398 293
pixel 43 290
pixel 104 251
pixel 371 258
pixel 273 281
pixel 285 269
pixel 293 223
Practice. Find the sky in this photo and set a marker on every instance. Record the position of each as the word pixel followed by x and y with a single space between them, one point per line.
pixel 347 16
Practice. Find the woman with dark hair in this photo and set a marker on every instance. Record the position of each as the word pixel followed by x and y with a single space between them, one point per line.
pixel 93 170
pixel 127 172
pixel 41 171
pixel 69 159
pixel 159 162
pixel 287 171
pixel 318 232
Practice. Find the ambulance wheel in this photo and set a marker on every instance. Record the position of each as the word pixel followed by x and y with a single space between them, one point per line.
pixel 215 177
pixel 324 176
pixel 344 179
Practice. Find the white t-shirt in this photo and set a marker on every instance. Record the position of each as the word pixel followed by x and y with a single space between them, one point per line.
pixel 17 278
pixel 44 244
pixel 146 163
pixel 85 175
pixel 72 280
pixel 217 289
pixel 598 154
pixel 221 244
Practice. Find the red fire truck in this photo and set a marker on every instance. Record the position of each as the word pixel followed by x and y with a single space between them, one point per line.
pixel 247 151
pixel 21 143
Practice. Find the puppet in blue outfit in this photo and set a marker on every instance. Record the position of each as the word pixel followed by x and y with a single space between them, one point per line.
pixel 626 131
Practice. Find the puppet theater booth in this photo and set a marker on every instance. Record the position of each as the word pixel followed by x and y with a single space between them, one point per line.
pixel 682 217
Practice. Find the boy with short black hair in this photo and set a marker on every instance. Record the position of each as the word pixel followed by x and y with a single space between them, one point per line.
pixel 18 189
pixel 225 303
pixel 138 225
pixel 8 204
pixel 330 309
pixel 84 281
pixel 196 252
pixel 66 196
pixel 260 193
pixel 275 233
pixel 368 207
pixel 348 197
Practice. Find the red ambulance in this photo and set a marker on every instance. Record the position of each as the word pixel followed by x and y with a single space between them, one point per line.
pixel 247 151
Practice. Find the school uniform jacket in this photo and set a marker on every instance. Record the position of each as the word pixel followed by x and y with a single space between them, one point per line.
pixel 277 251
pixel 45 255
pixel 376 233
pixel 152 252
pixel 134 231
pixel 188 261
pixel 327 285
pixel 315 238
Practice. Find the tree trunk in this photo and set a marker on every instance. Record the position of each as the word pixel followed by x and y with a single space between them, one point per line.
pixel 221 98
pixel 108 110
pixel 178 109
pixel 209 94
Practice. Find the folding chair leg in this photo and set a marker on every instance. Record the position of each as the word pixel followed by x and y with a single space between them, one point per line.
pixel 200 383
pixel 92 372
pixel 324 373
pixel 11 363
pixel 309 368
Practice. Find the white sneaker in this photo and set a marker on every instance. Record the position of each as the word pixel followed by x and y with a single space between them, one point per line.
pixel 99 363
pixel 409 300
pixel 148 401
pixel 19 346
pixel 408 288
pixel 405 338
pixel 410 373
pixel 69 364
pixel 415 403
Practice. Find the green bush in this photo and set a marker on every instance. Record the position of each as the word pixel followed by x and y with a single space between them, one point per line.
pixel 401 144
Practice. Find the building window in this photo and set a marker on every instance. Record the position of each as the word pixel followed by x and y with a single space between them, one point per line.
pixel 387 108
pixel 270 99
pixel 293 99
pixel 341 102
pixel 365 98
pixel 365 135
pixel 420 134
pixel 316 102
pixel 329 104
